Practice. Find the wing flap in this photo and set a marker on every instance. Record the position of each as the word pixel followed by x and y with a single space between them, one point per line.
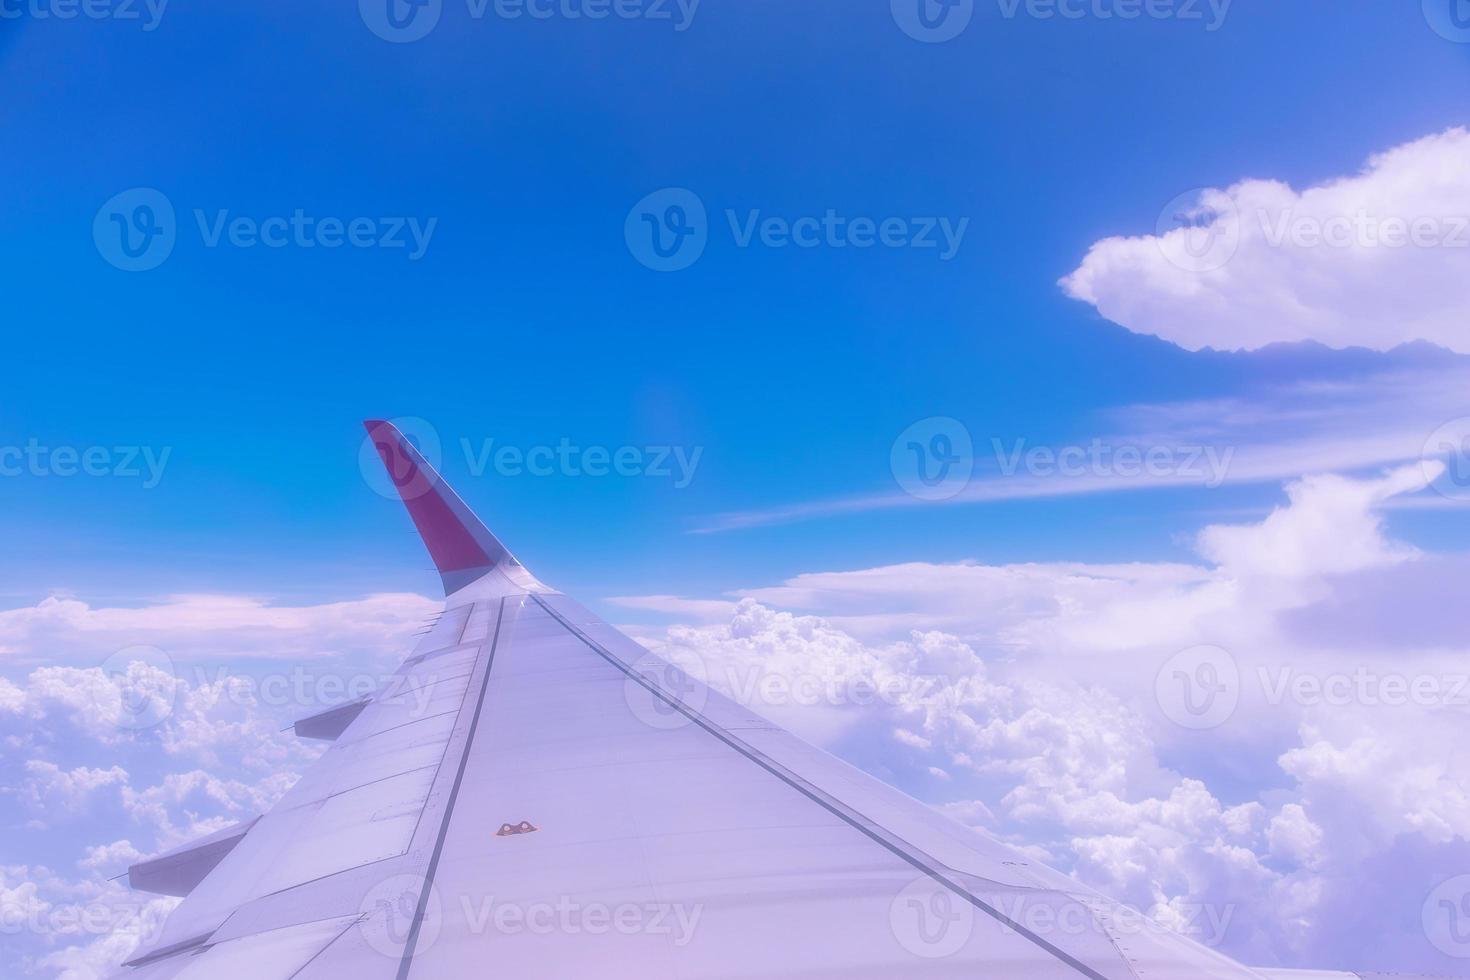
pixel 179 872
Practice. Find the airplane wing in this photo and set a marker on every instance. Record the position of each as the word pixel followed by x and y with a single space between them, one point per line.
pixel 538 796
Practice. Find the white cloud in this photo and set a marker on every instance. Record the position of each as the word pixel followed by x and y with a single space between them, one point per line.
pixel 49 789
pixel 110 857
pixel 74 929
pixel 98 958
pixel 174 807
pixel 79 771
pixel 674 605
pixel 11 697
pixel 1036 707
pixel 215 627
pixel 1266 434
pixel 92 698
pixel 1293 836
pixel 1329 526
pixel 1374 260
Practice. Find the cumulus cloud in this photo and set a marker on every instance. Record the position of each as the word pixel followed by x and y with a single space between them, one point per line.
pixel 89 786
pixel 1024 699
pixel 74 929
pixel 119 854
pixel 126 730
pixel 1293 836
pixel 188 805
pixel 195 714
pixel 83 927
pixel 1330 526
pixel 1376 259
pixel 50 789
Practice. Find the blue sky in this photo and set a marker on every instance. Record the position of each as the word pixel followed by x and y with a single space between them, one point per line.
pixel 521 149
pixel 527 320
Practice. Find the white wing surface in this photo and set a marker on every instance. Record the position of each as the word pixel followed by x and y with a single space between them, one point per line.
pixel 538 796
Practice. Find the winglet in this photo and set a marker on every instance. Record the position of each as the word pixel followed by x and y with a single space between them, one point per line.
pixel 462 547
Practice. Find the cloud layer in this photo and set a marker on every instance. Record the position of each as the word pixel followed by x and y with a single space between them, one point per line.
pixel 1041 702
pixel 149 726
pixel 212 627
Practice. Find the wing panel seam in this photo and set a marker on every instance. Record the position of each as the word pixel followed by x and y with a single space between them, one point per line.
pixel 411 944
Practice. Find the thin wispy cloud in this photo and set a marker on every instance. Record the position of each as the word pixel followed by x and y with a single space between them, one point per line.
pixel 1268 436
